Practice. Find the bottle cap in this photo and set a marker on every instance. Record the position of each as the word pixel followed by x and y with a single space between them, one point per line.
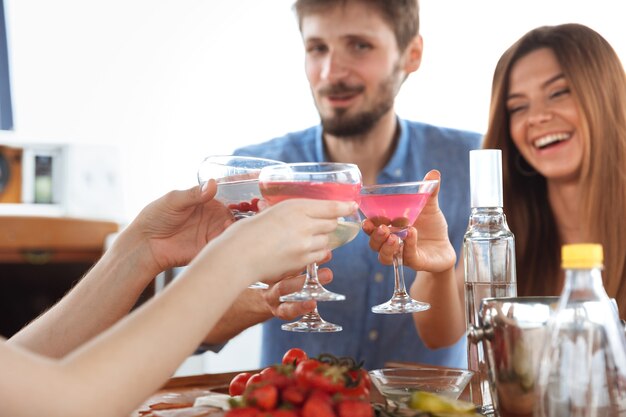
pixel 582 256
pixel 486 178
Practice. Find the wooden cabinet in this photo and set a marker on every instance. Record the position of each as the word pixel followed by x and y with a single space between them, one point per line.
pixel 40 259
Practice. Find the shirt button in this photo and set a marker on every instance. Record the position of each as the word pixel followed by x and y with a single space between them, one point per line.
pixel 378 277
pixel 373 335
pixel 398 172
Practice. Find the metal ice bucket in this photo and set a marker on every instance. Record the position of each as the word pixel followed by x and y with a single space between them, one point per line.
pixel 512 331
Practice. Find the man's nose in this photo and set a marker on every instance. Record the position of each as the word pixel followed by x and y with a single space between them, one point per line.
pixel 334 68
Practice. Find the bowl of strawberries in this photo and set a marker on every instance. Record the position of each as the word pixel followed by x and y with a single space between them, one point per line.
pixel 300 386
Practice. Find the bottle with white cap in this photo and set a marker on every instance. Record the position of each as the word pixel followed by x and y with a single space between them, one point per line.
pixel 489 258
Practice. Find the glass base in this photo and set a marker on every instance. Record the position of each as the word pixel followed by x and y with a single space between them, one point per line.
pixel 318 294
pixel 259 286
pixel 307 326
pixel 400 305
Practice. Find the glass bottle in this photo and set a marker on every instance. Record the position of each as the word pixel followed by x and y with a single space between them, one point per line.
pixel 489 259
pixel 583 367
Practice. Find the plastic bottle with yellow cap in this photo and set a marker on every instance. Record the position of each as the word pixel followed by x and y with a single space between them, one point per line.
pixel 583 366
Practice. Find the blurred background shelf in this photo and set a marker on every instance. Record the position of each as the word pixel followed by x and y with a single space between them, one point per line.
pixel 19 209
pixel 41 258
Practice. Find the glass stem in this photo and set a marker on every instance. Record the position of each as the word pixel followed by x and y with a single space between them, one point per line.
pixel 399 286
pixel 312 316
pixel 311 281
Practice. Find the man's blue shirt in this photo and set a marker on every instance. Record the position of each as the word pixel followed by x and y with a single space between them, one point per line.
pixel 366 336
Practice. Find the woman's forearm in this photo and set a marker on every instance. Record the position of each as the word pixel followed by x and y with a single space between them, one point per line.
pixel 444 323
pixel 145 349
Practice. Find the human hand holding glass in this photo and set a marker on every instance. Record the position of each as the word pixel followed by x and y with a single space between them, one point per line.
pixel 237 184
pixel 432 252
pixel 325 181
pixel 396 207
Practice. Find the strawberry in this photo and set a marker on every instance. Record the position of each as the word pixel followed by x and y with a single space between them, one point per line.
pixel 318 405
pixel 264 397
pixel 280 413
pixel 294 394
pixel 278 375
pixel 353 408
pixel 242 412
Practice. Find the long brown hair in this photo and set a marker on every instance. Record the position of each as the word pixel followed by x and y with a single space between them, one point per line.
pixel 598 84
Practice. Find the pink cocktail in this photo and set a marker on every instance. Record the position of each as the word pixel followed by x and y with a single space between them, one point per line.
pixel 397 206
pixel 346 230
pixel 394 210
pixel 322 181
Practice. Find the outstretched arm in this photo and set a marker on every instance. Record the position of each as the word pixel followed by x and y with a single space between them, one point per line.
pixel 168 232
pixel 428 250
pixel 111 374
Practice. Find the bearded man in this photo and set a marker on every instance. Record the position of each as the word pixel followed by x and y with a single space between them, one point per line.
pixel 357 55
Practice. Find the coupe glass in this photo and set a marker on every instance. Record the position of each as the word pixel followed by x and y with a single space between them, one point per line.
pixel 397 206
pixel 237 180
pixel 325 181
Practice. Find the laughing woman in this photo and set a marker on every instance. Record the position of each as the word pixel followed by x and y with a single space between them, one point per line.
pixel 558 112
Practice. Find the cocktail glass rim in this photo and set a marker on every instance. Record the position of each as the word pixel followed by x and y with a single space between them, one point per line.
pixel 397 184
pixel 216 159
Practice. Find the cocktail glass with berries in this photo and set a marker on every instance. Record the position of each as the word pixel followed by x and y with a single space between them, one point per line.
pixel 325 181
pixel 397 206
pixel 237 180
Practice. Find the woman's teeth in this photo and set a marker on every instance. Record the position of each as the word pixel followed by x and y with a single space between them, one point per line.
pixel 550 139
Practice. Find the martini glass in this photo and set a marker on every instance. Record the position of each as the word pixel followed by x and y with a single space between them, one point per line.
pixel 237 180
pixel 322 181
pixel 397 206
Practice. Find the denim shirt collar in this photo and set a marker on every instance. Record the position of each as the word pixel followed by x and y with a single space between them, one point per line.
pixel 393 171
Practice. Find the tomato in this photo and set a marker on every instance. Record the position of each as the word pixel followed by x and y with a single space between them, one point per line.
pixel 360 392
pixel 294 356
pixel 278 375
pixel 305 370
pixel 238 383
pixel 358 384
pixel 254 379
pixel 367 380
pixel 328 378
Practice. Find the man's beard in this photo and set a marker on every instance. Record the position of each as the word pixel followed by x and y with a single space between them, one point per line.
pixel 343 125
